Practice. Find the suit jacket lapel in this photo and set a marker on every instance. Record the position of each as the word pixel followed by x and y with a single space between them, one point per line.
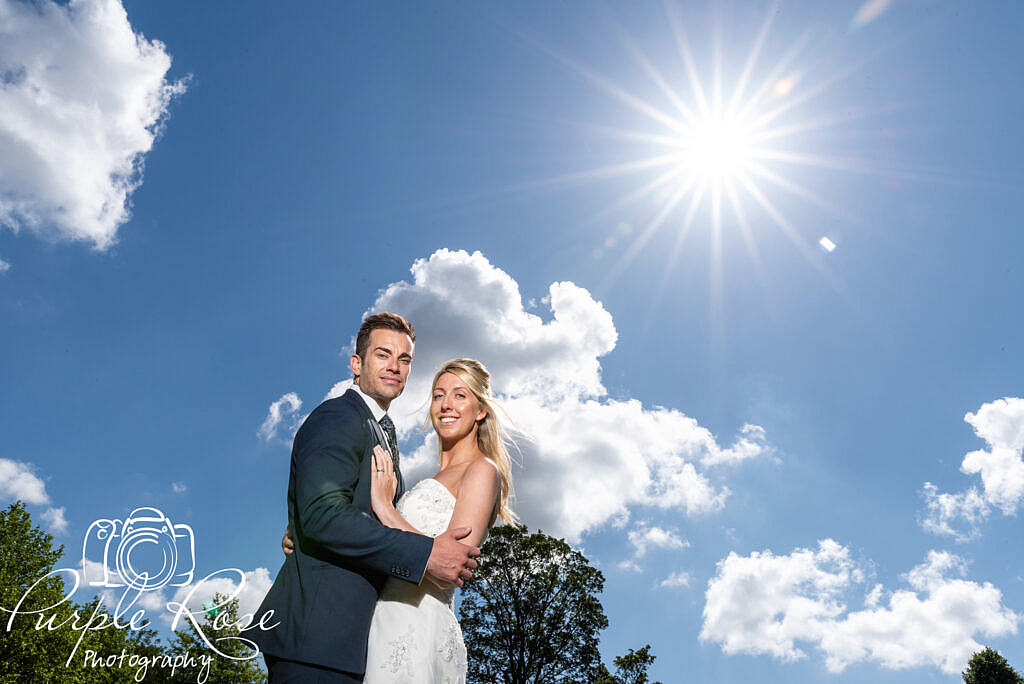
pixel 378 438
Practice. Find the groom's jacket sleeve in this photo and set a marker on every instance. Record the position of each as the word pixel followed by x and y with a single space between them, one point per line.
pixel 327 460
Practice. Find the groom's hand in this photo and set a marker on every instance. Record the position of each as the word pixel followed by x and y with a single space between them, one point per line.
pixel 450 560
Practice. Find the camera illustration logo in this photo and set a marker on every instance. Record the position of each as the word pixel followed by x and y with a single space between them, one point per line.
pixel 144 552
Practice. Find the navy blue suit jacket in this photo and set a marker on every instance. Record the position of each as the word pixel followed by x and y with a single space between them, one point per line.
pixel 324 594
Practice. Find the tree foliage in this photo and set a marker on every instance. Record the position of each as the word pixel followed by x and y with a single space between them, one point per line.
pixel 531 613
pixel 630 668
pixel 988 667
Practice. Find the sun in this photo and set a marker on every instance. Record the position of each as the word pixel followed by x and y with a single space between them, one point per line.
pixel 717 151
pixel 719 148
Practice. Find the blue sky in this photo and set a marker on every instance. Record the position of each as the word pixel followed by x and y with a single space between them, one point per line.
pixel 741 410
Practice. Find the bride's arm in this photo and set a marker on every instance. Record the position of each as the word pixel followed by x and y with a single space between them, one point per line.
pixel 382 492
pixel 479 492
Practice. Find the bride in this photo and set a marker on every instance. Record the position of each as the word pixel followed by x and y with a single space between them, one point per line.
pixel 414 635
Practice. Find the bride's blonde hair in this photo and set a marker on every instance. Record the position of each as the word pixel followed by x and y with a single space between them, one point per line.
pixel 492 437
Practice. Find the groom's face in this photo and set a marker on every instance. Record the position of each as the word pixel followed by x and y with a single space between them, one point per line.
pixel 382 373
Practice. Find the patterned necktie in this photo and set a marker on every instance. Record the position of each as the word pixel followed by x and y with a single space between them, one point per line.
pixel 389 429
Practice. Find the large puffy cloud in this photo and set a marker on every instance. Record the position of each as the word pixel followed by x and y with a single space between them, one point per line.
pixel 768 604
pixel 81 99
pixel 1001 467
pixel 591 459
pixel 19 481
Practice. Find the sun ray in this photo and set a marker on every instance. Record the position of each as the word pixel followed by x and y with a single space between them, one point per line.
pixel 630 254
pixel 600 173
pixel 748 67
pixel 798 190
pixel 659 80
pixel 677 246
pixel 745 231
pixel 684 50
pixel 790 231
pixel 617 92
pixel 648 188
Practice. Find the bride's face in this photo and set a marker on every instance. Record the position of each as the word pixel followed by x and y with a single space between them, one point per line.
pixel 454 409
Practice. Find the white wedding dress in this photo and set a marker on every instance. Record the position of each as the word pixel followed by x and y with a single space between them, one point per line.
pixel 414 636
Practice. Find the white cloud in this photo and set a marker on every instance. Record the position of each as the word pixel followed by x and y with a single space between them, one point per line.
pixel 630 565
pixel 592 458
pixel 90 571
pixel 1001 467
pixel 287 406
pixel 81 102
pixel 768 604
pixel 946 511
pixel 19 481
pixel 179 487
pixel 4 266
pixel 55 520
pixel 677 580
pixel 645 537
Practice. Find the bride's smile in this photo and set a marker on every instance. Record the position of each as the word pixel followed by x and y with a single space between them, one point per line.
pixel 454 410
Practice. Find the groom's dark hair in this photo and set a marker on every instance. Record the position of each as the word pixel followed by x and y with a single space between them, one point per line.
pixel 378 321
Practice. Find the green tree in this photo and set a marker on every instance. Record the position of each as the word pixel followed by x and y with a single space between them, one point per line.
pixel 234 664
pixel 34 655
pixel 630 668
pixel 988 667
pixel 28 654
pixel 531 613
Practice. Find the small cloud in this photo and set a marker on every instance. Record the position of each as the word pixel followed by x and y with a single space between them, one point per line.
pixel 179 487
pixel 93 571
pixel 55 519
pixel 827 244
pixel 4 266
pixel 874 597
pixel 677 580
pixel 645 538
pixel 630 566
pixel 19 481
pixel 287 405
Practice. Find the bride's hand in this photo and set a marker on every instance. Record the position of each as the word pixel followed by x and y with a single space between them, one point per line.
pixel 383 483
pixel 288 542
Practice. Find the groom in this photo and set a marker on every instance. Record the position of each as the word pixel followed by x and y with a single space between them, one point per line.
pixel 324 594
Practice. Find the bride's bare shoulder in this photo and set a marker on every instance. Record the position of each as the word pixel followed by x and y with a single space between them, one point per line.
pixel 481 474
